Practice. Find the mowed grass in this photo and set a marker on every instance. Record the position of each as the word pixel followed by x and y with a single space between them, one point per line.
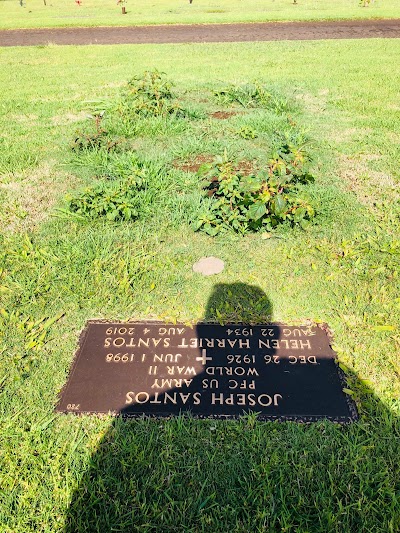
pixel 35 14
pixel 66 473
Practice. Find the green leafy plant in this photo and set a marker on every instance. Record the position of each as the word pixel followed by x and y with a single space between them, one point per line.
pixel 151 95
pixel 291 158
pixel 246 132
pixel 252 202
pixel 253 95
pixel 115 200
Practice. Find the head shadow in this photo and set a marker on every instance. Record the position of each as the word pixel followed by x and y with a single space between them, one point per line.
pixel 238 302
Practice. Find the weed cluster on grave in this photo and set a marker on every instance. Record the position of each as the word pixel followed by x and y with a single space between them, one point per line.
pixel 151 95
pixel 226 198
pixel 255 201
pixel 98 138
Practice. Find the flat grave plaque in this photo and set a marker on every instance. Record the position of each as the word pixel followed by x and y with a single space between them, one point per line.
pixel 212 371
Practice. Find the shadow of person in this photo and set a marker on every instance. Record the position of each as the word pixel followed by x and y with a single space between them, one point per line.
pixel 183 474
pixel 119 468
pixel 238 303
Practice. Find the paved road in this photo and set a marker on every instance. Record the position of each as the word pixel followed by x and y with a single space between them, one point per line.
pixel 202 33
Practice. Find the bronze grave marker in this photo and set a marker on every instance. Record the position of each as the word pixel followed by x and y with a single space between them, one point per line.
pixel 212 371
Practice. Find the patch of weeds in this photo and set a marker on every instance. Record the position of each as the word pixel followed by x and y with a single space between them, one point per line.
pixel 292 152
pixel 151 95
pixel 97 139
pixel 116 200
pixel 241 197
pixel 252 95
pixel 89 141
pixel 246 132
pixel 254 201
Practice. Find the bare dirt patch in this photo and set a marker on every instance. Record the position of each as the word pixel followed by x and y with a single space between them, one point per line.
pixel 223 115
pixel 247 168
pixel 194 164
pixel 244 167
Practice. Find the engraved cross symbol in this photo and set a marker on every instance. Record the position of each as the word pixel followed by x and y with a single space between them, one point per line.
pixel 203 357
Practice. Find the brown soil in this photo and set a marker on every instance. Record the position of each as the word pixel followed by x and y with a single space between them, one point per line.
pixel 244 167
pixel 222 115
pixel 194 164
pixel 199 33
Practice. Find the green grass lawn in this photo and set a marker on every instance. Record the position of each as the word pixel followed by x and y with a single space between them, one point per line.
pixel 66 473
pixel 34 14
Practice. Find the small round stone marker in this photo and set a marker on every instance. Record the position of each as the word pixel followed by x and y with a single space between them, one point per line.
pixel 209 266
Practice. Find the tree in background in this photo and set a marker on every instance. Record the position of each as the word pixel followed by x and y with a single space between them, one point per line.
pixel 122 3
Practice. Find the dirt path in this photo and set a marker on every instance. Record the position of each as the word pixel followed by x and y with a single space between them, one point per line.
pixel 202 33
